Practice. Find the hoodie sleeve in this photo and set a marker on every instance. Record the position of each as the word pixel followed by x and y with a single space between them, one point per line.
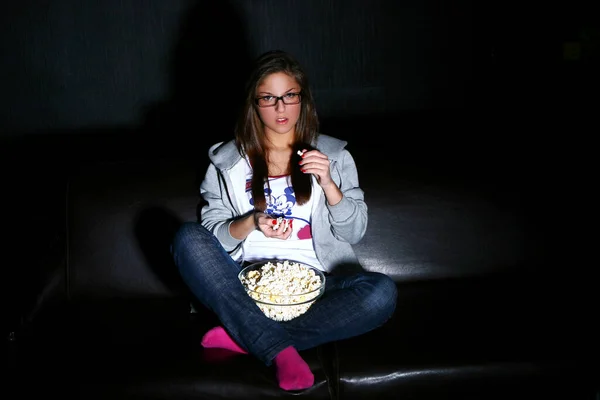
pixel 217 212
pixel 349 216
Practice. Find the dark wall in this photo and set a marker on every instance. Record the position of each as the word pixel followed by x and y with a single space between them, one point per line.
pixel 74 64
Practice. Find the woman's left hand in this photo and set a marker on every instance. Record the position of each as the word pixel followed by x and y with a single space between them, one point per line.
pixel 316 163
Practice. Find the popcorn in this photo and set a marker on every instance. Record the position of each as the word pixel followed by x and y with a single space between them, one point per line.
pixel 300 152
pixel 285 221
pixel 283 284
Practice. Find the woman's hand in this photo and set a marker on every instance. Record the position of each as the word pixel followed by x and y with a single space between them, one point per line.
pixel 316 163
pixel 266 223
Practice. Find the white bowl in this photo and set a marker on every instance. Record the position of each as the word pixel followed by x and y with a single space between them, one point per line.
pixel 276 302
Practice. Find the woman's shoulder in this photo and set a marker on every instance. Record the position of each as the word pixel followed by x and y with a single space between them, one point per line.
pixel 217 147
pixel 224 153
pixel 331 145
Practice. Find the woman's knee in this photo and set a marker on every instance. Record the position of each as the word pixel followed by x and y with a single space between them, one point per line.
pixel 385 291
pixel 188 233
pixel 191 244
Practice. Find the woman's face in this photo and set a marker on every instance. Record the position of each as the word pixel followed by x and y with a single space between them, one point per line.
pixel 281 118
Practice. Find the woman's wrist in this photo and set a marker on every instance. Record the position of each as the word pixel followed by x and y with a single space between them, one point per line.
pixel 255 216
pixel 333 194
pixel 241 228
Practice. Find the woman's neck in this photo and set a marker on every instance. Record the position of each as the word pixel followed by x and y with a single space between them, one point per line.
pixel 279 142
pixel 278 158
pixel 279 151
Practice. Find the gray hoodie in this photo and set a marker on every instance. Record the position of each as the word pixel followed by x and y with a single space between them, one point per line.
pixel 334 228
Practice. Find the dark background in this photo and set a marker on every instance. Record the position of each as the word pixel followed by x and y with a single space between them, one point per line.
pixel 70 64
pixel 77 67
pixel 449 82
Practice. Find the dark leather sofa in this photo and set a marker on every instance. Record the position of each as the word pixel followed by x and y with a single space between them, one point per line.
pixel 485 308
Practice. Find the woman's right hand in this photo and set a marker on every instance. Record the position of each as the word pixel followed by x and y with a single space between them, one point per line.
pixel 266 223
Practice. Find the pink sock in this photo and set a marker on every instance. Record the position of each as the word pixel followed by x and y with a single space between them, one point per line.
pixel 217 337
pixel 293 373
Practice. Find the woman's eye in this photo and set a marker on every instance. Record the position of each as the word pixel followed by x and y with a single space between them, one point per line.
pixel 291 95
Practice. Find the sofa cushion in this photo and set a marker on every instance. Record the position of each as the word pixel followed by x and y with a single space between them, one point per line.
pixel 121 219
pixel 421 230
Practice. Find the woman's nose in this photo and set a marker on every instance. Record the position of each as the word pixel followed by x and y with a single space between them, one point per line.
pixel 280 105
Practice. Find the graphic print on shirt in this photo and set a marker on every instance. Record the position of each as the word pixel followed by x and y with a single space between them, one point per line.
pixel 281 202
pixel 281 205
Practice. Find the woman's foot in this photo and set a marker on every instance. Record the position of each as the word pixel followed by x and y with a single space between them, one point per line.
pixel 217 337
pixel 293 373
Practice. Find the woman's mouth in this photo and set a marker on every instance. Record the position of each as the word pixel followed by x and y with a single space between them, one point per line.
pixel 282 121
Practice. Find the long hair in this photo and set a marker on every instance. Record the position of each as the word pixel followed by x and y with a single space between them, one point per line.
pixel 250 136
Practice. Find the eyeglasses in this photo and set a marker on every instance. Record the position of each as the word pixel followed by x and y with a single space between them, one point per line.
pixel 270 101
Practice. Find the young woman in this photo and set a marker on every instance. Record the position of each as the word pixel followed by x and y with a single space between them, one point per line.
pixel 251 181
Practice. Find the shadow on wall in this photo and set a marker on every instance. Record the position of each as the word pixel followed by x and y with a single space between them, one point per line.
pixel 209 64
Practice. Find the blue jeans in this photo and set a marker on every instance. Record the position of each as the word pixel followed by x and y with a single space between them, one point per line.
pixel 350 306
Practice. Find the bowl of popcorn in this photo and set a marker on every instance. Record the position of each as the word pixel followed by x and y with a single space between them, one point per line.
pixel 283 289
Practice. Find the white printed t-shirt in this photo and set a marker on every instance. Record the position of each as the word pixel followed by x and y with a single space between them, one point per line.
pixel 281 202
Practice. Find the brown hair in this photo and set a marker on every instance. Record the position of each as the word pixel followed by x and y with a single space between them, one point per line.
pixel 250 137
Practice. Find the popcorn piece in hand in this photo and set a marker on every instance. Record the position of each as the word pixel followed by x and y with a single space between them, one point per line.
pixel 300 152
pixel 285 221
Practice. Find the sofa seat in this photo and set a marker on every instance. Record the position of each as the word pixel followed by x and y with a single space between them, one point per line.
pixel 491 332
pixel 473 338
pixel 145 349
